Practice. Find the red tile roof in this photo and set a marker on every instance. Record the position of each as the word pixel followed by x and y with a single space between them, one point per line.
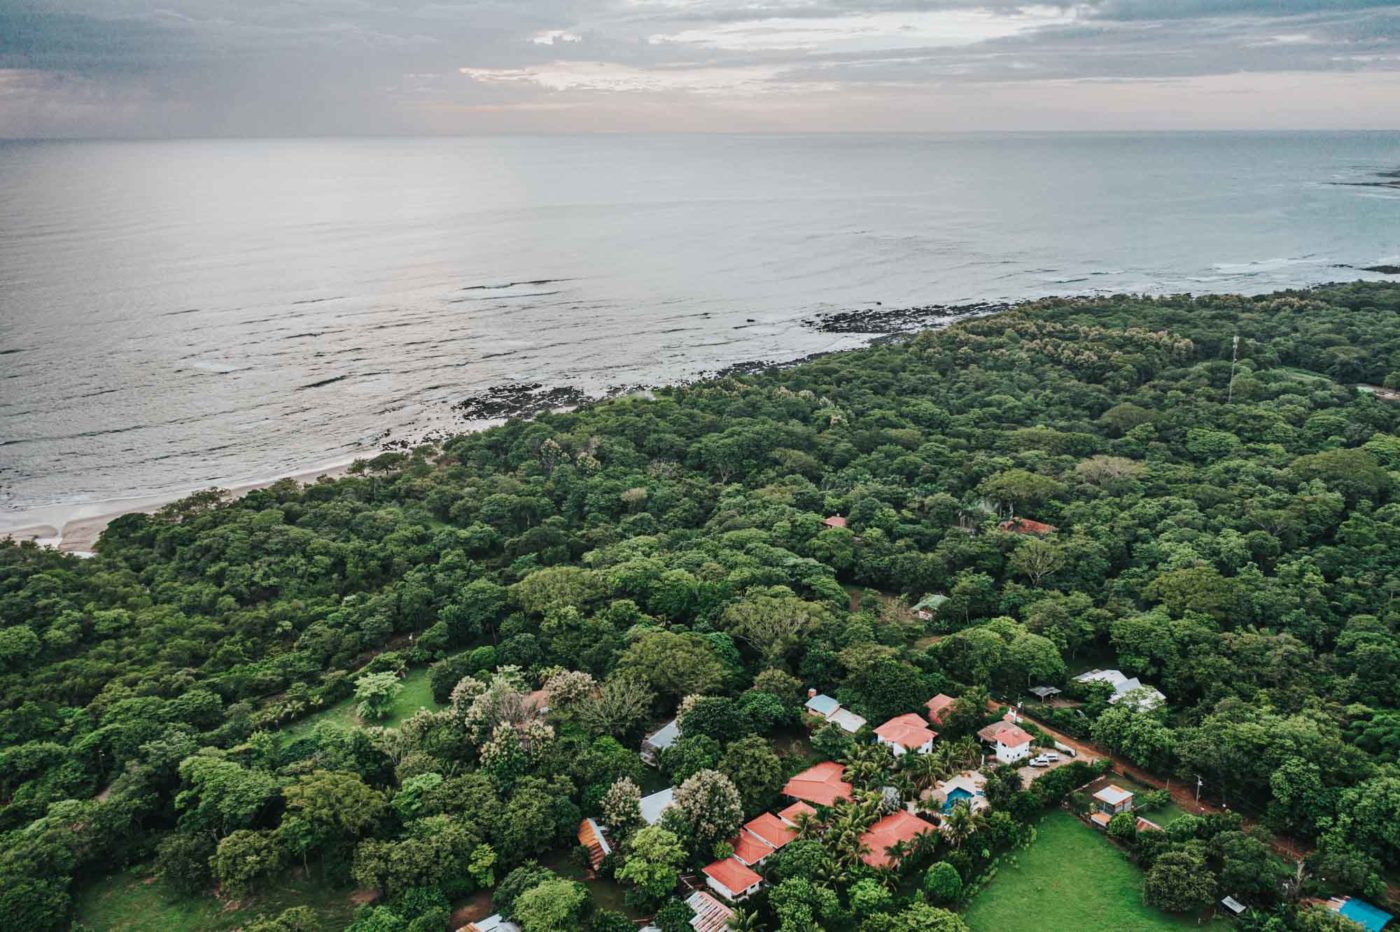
pixel 773 830
pixel 835 521
pixel 790 814
pixel 1027 526
pixel 892 829
pixel 1004 733
pixel 731 875
pixel 820 784
pixel 937 706
pixel 907 731
pixel 749 848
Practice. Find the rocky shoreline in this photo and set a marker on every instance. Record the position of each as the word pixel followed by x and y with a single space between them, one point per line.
pixel 878 320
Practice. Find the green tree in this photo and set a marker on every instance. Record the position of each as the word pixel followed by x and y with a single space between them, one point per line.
pixel 244 857
pixel 555 905
pixel 942 884
pixel 1179 882
pixel 654 858
pixel 375 694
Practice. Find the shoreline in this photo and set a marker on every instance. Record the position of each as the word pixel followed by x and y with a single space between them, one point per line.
pixel 75 528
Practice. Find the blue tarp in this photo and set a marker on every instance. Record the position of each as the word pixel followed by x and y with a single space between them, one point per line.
pixel 1363 913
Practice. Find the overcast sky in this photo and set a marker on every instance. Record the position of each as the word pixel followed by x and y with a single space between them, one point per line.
pixel 298 67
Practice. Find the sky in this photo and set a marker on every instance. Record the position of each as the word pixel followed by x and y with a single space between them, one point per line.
pixel 369 67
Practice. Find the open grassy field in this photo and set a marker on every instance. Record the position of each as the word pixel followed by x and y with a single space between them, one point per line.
pixel 134 901
pixel 1071 878
pixel 416 694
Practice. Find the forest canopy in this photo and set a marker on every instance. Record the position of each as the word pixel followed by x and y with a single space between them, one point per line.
pixel 1227 530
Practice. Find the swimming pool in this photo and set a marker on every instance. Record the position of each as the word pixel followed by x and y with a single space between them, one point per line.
pixel 956 795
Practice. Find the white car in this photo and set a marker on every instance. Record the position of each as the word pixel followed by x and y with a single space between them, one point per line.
pixel 1050 755
pixel 1041 761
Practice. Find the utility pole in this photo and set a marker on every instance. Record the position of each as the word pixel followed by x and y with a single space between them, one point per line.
pixel 1199 781
pixel 1234 358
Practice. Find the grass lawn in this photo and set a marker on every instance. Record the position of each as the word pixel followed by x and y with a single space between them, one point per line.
pixel 417 693
pixel 1071 878
pixel 132 901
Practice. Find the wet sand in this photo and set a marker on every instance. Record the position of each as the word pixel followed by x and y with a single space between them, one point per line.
pixel 76 528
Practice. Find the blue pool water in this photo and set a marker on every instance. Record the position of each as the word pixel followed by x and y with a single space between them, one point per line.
pixel 1368 916
pixel 956 795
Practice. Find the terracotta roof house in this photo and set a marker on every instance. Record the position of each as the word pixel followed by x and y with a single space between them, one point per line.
pixel 592 837
pixel 655 805
pixel 710 914
pixel 835 521
pixel 730 879
pixel 820 705
pixel 790 814
pixel 749 849
pixel 1027 526
pixel 659 740
pixel 820 784
pixel 898 826
pixel 773 830
pixel 1099 819
pixel 760 837
pixel 906 734
pixel 938 705
pixel 1009 741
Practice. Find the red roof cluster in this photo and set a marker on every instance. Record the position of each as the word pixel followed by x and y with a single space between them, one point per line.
pixel 731 875
pixel 820 784
pixel 894 828
pixel 907 731
pixel 790 814
pixel 771 829
pixel 937 706
pixel 1027 526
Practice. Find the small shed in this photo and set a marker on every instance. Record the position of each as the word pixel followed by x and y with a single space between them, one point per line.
pixel 1043 692
pixel 929 605
pixel 1233 906
pixel 1113 799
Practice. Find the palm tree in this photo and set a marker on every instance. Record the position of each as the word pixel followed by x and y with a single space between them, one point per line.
pixel 924 770
pixel 744 921
pixel 959 825
pixel 888 875
pixel 808 825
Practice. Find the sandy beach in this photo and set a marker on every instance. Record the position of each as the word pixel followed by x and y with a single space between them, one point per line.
pixel 75 528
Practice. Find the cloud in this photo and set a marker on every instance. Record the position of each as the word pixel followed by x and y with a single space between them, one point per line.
pixel 266 66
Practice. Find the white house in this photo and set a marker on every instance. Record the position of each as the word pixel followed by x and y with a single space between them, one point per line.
pixel 1010 743
pixel 495 923
pixel 906 734
pixel 659 740
pixel 828 709
pixel 731 880
pixel 1128 688
pixel 655 805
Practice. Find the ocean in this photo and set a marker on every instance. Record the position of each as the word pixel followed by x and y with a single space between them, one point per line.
pixel 179 314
